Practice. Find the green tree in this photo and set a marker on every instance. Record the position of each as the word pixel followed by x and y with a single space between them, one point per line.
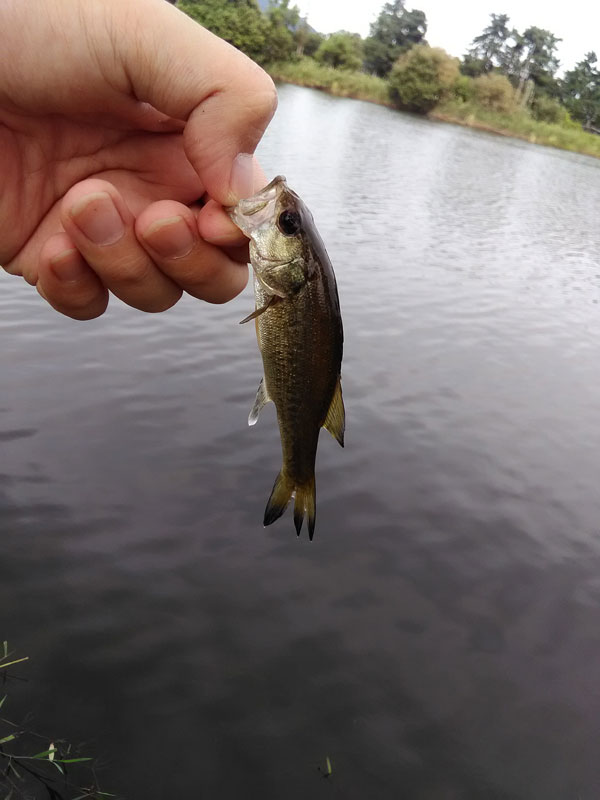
pixel 281 13
pixel 342 50
pixel 395 31
pixel 486 51
pixel 580 91
pixel 307 40
pixel 533 57
pixel 423 77
pixel 281 25
pixel 239 22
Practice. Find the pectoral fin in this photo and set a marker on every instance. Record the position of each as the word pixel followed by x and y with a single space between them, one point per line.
pixel 261 399
pixel 335 421
pixel 261 310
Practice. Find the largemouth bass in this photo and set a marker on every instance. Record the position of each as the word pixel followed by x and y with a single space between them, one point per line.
pixel 300 337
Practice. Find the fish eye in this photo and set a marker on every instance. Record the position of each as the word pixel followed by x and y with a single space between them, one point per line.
pixel 289 222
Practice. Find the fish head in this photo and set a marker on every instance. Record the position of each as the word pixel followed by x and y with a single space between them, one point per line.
pixel 277 223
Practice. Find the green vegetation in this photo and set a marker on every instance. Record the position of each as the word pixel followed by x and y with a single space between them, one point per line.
pixel 494 92
pixel 507 82
pixel 581 91
pixel 276 35
pixel 395 31
pixel 422 78
pixel 520 125
pixel 57 768
pixel 308 72
pixel 341 50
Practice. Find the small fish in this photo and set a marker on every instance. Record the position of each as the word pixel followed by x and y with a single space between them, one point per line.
pixel 300 337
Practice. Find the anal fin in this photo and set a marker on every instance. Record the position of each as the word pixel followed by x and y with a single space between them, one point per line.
pixel 335 421
pixel 262 398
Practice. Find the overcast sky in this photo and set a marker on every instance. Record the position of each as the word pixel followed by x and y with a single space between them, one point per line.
pixel 452 25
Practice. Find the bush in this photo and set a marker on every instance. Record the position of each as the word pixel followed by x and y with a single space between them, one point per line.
pixel 464 89
pixel 546 109
pixel 494 91
pixel 423 77
pixel 341 50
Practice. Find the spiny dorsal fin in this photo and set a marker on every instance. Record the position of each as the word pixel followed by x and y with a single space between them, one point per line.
pixel 262 398
pixel 335 421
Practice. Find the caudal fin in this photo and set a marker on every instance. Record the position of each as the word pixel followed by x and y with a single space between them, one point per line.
pixel 279 499
pixel 304 504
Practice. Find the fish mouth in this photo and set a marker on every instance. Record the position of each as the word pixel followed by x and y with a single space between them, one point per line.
pixel 253 212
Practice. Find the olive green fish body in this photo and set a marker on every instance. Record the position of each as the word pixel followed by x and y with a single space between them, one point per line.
pixel 300 337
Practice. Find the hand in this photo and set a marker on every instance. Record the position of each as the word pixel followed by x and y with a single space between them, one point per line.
pixel 115 119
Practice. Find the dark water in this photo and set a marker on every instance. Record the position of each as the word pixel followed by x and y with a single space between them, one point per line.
pixel 440 638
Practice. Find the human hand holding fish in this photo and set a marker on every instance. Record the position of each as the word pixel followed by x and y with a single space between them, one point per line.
pixel 115 119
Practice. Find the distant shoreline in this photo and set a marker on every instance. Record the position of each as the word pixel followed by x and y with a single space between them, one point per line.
pixel 359 86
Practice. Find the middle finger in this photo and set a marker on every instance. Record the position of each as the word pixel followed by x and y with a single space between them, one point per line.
pixel 97 219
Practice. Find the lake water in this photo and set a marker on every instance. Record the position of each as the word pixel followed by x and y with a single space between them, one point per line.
pixel 440 637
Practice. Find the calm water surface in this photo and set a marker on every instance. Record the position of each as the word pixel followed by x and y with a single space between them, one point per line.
pixel 440 638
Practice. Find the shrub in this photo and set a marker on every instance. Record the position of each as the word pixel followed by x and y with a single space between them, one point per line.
pixel 494 91
pixel 547 109
pixel 422 77
pixel 464 89
pixel 342 50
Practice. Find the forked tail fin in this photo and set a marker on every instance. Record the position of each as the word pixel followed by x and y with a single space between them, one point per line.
pixel 304 504
pixel 279 499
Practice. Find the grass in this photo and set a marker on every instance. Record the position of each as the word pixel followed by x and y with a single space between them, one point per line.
pixel 57 770
pixel 360 86
pixel 343 83
pixel 521 125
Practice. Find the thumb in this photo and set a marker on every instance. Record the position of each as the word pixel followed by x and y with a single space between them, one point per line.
pixel 81 57
pixel 183 70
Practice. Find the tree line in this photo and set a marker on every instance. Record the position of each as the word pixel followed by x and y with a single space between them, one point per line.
pixel 532 56
pixel 502 66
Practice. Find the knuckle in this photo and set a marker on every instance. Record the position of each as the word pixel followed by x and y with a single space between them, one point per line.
pixel 265 100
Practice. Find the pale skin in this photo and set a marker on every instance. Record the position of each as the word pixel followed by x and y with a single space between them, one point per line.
pixel 116 117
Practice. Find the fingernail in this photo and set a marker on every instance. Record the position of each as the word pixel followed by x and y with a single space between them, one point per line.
pixel 97 218
pixel 170 238
pixel 68 266
pixel 242 175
